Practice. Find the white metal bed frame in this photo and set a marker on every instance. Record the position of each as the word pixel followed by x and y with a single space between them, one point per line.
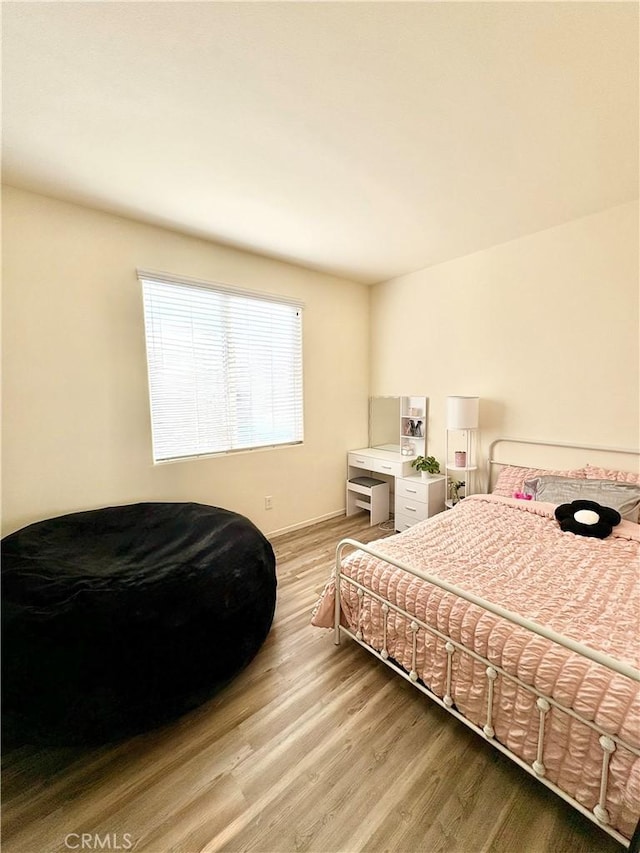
pixel 608 742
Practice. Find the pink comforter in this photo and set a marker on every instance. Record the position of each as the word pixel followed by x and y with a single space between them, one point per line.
pixel 514 554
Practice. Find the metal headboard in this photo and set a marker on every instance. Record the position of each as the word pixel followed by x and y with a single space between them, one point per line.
pixel 491 460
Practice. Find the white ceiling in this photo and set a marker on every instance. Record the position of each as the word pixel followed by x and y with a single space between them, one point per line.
pixel 363 139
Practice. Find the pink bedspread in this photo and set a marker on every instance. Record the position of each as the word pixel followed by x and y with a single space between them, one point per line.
pixel 514 554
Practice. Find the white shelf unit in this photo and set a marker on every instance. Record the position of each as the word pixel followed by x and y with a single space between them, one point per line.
pixel 461 435
pixel 417 499
pixel 413 426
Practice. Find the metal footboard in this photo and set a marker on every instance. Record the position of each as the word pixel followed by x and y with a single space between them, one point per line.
pixel 609 743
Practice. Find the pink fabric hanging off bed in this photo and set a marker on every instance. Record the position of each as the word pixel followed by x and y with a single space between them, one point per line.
pixel 514 554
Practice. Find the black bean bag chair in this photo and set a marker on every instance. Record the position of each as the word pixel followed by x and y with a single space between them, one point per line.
pixel 119 619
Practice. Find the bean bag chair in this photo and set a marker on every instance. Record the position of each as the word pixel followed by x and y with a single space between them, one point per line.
pixel 120 619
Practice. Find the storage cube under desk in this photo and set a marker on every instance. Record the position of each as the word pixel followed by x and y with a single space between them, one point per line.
pixel 417 499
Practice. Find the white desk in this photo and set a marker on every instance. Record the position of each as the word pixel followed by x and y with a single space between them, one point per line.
pixel 373 460
pixel 384 464
pixel 419 498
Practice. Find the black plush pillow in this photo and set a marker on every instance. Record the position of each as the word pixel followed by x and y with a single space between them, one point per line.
pixel 587 518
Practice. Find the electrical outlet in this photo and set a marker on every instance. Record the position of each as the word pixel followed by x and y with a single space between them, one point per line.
pixel 268 502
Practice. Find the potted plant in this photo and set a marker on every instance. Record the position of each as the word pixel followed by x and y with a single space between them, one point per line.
pixel 454 487
pixel 427 465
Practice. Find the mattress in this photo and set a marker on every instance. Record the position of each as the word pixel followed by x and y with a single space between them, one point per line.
pixel 514 554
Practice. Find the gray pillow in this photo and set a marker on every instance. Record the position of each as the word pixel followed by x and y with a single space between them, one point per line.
pixel 625 497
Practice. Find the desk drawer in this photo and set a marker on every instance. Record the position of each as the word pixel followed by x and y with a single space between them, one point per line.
pixel 412 490
pixel 404 522
pixel 394 469
pixel 371 463
pixel 359 460
pixel 410 508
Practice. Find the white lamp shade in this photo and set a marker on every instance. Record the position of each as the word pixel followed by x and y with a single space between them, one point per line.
pixel 462 412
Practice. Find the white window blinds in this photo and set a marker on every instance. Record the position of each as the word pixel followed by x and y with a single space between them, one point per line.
pixel 225 367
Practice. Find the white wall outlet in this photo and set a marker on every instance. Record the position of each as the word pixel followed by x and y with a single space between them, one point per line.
pixel 268 502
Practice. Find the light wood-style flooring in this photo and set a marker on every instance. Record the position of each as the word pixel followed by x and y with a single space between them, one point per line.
pixel 314 747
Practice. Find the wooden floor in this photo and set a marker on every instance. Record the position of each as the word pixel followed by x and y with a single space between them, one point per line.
pixel 312 748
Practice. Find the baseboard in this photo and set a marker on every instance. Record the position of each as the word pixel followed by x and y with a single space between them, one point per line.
pixel 308 523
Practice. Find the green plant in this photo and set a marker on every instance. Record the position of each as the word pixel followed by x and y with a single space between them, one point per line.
pixel 454 489
pixel 426 463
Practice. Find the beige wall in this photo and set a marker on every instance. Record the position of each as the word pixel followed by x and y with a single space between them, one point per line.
pixel 76 431
pixel 544 329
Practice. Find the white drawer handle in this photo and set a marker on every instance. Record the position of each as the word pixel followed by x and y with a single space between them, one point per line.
pixel 413 491
pixel 360 461
pixel 387 467
pixel 411 508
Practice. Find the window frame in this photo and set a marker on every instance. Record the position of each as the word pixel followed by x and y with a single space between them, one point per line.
pixel 297 364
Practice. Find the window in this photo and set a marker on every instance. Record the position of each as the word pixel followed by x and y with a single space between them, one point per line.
pixel 225 367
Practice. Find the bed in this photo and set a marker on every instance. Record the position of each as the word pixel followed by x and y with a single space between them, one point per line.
pixel 526 633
